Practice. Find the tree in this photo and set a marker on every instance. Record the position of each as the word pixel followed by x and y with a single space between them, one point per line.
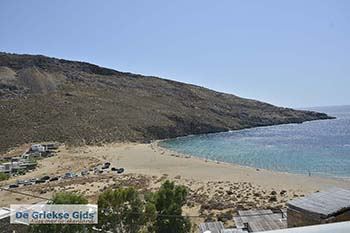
pixel 168 202
pixel 121 210
pixel 3 176
pixel 69 198
pixel 62 198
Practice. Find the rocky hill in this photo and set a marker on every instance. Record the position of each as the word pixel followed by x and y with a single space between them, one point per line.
pixel 49 99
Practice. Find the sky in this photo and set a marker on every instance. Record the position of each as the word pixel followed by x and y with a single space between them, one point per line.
pixel 292 53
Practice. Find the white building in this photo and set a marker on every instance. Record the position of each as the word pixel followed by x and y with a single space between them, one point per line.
pixel 37 148
pixel 2 168
pixel 7 167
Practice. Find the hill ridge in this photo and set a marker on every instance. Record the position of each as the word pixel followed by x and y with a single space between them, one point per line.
pixel 51 99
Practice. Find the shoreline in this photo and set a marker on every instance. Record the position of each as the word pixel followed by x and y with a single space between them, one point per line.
pixel 183 155
pixel 155 160
pixel 168 159
pixel 283 173
pixel 213 187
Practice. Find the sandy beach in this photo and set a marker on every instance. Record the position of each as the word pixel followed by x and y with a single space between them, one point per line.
pixel 214 188
pixel 154 160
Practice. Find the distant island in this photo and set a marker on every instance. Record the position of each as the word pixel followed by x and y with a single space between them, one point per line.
pixel 50 99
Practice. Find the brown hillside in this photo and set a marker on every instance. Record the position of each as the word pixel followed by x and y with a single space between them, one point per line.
pixel 44 99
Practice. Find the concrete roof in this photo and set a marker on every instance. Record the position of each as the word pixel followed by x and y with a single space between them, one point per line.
pixel 340 227
pixel 326 203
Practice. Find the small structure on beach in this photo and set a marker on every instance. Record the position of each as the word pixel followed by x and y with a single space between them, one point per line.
pixel 17 164
pixel 40 150
pixel 233 230
pixel 8 167
pixel 260 220
pixel 27 161
pixel 329 206
pixel 37 148
pixel 217 227
pixel 50 146
pixel 212 227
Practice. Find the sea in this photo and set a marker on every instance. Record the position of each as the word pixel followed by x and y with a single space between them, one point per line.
pixel 315 148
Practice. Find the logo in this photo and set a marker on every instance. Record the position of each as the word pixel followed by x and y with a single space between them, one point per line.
pixel 54 214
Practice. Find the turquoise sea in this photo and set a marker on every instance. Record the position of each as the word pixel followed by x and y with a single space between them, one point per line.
pixel 319 148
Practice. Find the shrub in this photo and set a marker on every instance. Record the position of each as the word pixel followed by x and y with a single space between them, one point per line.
pixel 3 176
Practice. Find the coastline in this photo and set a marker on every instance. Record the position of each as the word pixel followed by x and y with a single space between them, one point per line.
pixel 319 181
pixel 183 155
pixel 296 169
pixel 153 160
pixel 214 187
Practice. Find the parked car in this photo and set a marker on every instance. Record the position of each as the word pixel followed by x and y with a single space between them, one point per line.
pixel 84 173
pixel 120 170
pixel 20 182
pixel 33 180
pixel 11 186
pixel 40 181
pixel 27 182
pixel 54 178
pixel 45 178
pixel 98 171
pixel 68 175
pixel 113 169
pixel 105 166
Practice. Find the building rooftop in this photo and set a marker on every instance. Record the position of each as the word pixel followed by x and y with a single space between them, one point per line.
pixel 326 203
pixel 213 227
pixel 341 227
pixel 260 220
pixel 233 230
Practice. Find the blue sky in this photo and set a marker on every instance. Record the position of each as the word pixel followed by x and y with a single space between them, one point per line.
pixel 289 53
